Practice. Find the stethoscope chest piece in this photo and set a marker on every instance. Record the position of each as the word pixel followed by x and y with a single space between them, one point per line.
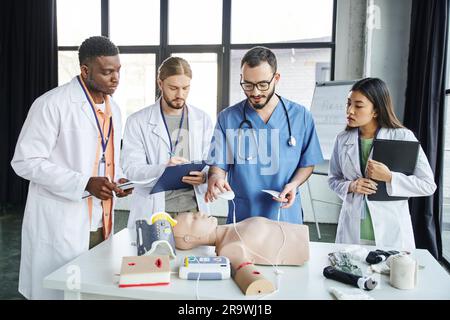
pixel 292 142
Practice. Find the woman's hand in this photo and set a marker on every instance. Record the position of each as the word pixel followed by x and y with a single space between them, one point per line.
pixel 363 186
pixel 378 171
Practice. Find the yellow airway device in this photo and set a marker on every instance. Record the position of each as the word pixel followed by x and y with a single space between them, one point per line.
pixel 163 216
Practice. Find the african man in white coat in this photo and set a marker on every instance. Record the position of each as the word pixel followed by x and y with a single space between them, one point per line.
pixel 69 147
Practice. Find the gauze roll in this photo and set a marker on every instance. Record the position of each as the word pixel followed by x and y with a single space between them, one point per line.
pixel 403 272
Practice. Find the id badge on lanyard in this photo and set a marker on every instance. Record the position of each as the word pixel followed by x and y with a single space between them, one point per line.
pixel 101 171
pixel 101 167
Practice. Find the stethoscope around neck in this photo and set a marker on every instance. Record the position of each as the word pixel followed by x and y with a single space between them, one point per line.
pixel 292 142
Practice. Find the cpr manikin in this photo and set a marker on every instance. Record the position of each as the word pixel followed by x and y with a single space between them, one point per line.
pixel 259 241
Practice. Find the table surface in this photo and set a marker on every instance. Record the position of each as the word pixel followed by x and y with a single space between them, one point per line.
pixel 99 268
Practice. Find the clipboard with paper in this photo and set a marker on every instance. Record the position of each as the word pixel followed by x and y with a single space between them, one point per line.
pixel 171 177
pixel 398 156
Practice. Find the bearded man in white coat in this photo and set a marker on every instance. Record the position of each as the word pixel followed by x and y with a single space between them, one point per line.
pixel 167 133
pixel 69 150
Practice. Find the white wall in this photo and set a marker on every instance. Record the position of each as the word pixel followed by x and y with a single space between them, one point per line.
pixel 387 46
pixel 372 39
pixel 350 37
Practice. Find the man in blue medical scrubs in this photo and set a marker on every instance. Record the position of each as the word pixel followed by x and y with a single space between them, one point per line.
pixel 265 142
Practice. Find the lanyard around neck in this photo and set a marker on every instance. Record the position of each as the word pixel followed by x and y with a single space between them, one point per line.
pixel 91 103
pixel 172 147
pixel 360 150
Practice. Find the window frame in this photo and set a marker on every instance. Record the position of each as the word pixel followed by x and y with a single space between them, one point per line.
pixel 223 50
pixel 445 260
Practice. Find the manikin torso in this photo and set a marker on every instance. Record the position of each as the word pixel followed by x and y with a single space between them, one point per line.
pixel 259 241
pixel 263 242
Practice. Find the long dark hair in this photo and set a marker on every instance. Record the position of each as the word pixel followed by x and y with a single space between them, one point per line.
pixel 377 92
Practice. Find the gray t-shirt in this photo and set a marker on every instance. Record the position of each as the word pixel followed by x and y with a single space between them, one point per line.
pixel 181 200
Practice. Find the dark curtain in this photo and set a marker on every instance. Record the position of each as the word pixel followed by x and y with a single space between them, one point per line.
pixel 28 68
pixel 424 110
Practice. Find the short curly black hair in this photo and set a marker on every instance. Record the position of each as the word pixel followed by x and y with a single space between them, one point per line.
pixel 95 47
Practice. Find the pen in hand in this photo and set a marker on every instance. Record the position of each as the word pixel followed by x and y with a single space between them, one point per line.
pixel 113 192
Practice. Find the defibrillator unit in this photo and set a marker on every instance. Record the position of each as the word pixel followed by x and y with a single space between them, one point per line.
pixel 205 268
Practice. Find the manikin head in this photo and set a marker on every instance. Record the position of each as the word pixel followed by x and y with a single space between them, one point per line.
pixel 194 229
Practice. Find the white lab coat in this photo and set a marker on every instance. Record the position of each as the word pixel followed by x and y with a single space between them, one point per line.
pixel 56 151
pixel 145 154
pixel 391 219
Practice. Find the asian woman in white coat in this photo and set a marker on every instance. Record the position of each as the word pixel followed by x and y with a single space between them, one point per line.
pixel 361 221
pixel 167 133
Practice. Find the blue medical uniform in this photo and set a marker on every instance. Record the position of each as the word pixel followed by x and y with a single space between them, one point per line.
pixel 248 177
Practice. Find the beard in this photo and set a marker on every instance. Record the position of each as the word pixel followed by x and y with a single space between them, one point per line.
pixel 171 105
pixel 93 86
pixel 260 106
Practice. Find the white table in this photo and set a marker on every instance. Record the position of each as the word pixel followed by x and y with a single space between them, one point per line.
pixel 97 280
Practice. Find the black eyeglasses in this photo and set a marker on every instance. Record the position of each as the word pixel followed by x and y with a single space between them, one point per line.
pixel 262 85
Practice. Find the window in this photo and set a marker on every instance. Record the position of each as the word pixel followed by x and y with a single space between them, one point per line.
pixel 299 32
pixel 446 191
pixel 188 23
pixel 298 70
pixel 203 92
pixel 446 179
pixel 445 226
pixel 68 66
pixel 212 35
pixel 263 21
pixel 129 19
pixel 75 23
pixel 137 83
